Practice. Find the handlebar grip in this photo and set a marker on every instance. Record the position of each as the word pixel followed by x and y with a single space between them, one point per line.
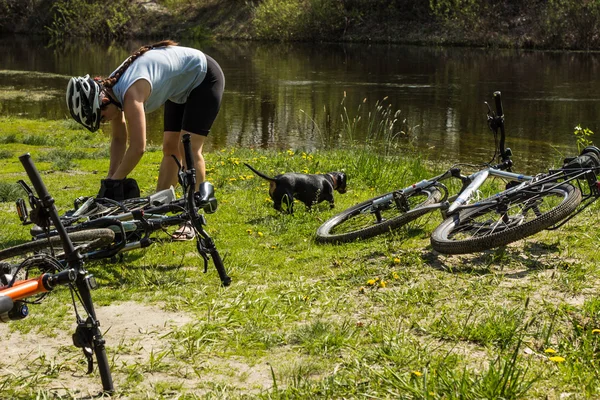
pixel 34 176
pixel 218 261
pixel 187 149
pixel 498 99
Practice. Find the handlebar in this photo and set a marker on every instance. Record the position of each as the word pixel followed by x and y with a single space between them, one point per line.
pixel 496 122
pixel 498 100
pixel 43 283
pixel 88 329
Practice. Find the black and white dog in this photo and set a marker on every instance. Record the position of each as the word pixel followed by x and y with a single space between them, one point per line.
pixel 310 189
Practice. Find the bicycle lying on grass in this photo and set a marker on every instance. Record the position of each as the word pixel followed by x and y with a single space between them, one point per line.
pixel 28 278
pixel 528 205
pixel 133 221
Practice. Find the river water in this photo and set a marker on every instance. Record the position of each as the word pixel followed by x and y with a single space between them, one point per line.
pixel 298 95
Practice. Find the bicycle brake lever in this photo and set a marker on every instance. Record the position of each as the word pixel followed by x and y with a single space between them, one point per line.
pixel 82 338
pixel 490 113
pixel 179 166
pixel 203 253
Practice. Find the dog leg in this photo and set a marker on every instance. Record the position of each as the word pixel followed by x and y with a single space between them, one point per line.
pixel 288 200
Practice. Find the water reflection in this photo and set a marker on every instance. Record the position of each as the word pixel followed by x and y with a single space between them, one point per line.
pixel 283 95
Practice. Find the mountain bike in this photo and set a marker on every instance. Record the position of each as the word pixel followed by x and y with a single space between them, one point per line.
pixel 504 217
pixel 517 212
pixel 135 221
pixel 27 276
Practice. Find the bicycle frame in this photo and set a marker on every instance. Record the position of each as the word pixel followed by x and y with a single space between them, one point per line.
pixel 87 335
pixel 143 222
pixel 470 183
pixel 451 205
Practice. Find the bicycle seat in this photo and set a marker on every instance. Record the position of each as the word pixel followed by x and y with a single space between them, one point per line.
pixel 588 158
pixel 205 197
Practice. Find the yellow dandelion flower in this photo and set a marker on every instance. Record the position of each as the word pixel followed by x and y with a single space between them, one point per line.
pixel 396 260
pixel 557 359
pixel 305 170
pixel 361 289
pixel 259 234
pixel 550 351
pixel 417 373
pixel 232 179
pixel 595 330
pixel 382 283
pixel 249 231
pixel 396 275
pixel 371 281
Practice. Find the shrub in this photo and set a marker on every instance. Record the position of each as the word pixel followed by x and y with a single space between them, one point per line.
pixel 10 191
pixel 92 19
pixel 572 23
pixel 298 19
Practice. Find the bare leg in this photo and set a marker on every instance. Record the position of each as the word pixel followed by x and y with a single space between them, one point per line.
pixel 167 174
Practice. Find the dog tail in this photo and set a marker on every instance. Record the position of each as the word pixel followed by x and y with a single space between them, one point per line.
pixel 260 173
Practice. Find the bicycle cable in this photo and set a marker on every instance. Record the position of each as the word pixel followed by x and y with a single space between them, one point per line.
pixel 49 264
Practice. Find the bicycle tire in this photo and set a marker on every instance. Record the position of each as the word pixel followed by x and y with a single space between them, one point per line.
pixel 91 239
pixel 509 219
pixel 373 224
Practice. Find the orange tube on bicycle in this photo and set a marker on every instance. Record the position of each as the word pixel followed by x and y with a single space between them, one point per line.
pixel 26 288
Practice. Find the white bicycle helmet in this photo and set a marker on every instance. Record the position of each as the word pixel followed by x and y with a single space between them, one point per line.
pixel 83 100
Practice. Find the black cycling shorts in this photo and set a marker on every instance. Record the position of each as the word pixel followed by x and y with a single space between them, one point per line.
pixel 198 113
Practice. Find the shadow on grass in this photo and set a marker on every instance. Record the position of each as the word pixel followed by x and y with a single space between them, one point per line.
pixel 521 262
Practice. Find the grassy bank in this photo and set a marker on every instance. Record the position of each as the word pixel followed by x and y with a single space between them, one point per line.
pixel 382 318
pixel 553 24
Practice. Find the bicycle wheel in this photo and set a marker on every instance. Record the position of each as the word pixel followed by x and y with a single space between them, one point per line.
pixel 85 240
pixel 377 216
pixel 512 217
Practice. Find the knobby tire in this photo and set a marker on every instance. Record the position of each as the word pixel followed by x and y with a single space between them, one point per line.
pixel 331 230
pixel 509 219
pixel 92 239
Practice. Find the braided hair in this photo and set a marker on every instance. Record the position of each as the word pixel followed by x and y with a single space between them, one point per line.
pixel 114 78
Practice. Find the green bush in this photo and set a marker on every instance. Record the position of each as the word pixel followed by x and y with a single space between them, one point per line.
pixel 10 192
pixel 298 19
pixel 457 13
pixel 92 19
pixel 572 24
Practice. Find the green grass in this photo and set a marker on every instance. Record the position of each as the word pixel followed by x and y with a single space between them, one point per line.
pixel 380 318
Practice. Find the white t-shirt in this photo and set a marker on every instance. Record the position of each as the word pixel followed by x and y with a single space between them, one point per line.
pixel 172 71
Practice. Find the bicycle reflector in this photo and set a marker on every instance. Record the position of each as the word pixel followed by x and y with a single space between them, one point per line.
pixel 22 210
